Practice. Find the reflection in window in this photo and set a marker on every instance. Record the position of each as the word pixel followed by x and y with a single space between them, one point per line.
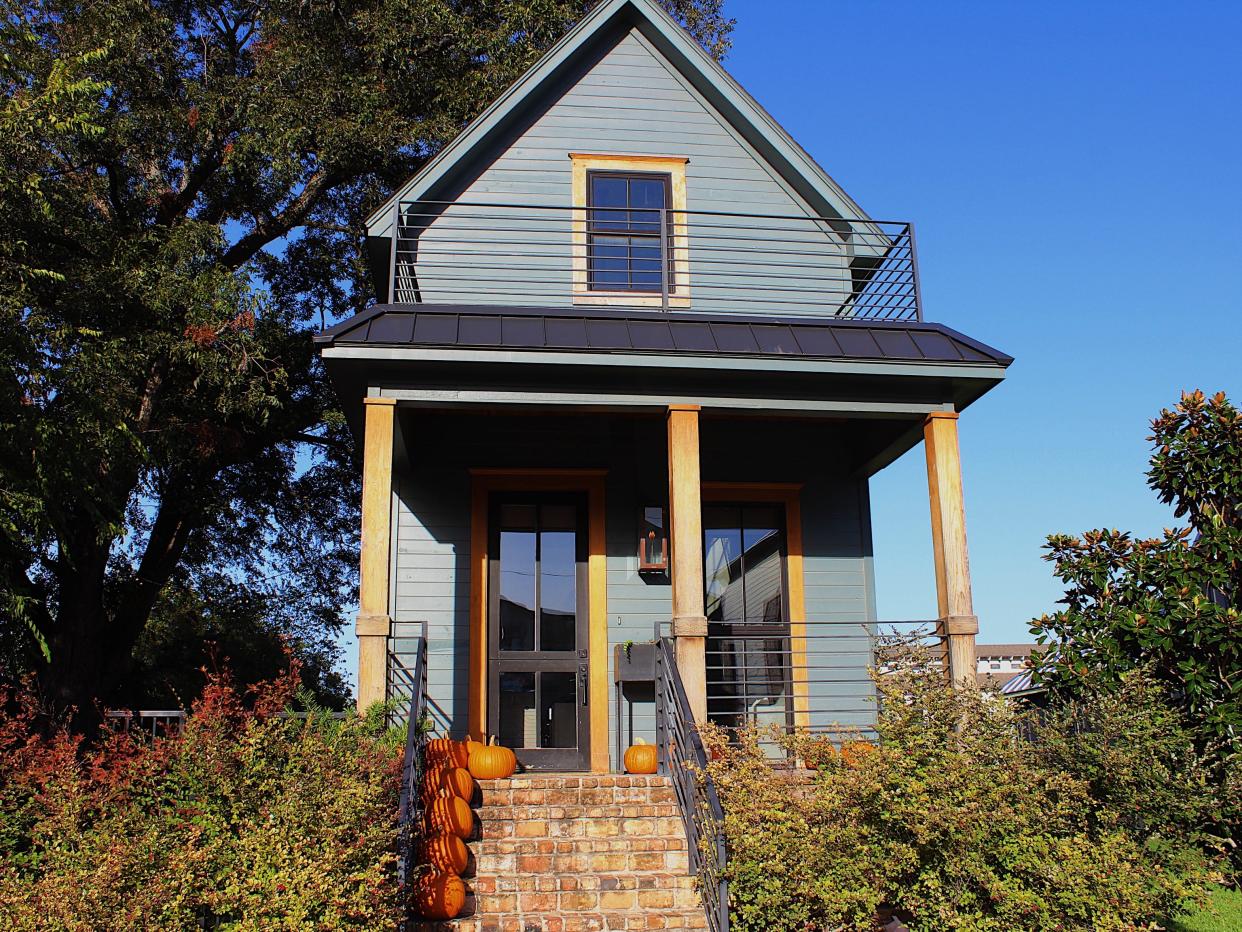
pixel 539 558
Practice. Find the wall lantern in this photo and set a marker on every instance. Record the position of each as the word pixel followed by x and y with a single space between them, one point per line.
pixel 652 542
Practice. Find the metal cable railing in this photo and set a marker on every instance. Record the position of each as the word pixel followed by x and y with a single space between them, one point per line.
pixel 545 255
pixel 412 682
pixel 684 759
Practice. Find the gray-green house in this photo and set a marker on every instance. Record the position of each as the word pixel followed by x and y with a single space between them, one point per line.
pixel 633 361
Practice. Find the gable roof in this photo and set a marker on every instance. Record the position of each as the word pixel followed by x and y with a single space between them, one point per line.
pixel 606 24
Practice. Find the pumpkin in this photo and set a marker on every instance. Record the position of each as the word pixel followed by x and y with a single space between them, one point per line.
pixel 471 744
pixel 641 758
pixel 446 751
pixel 492 762
pixel 458 782
pixel 432 793
pixel 438 895
pixel 451 814
pixel 444 852
pixel 853 752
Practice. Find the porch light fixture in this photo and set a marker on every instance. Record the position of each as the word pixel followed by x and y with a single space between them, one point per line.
pixel 652 542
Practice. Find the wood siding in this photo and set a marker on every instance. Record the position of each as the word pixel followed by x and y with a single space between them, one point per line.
pixel 631 102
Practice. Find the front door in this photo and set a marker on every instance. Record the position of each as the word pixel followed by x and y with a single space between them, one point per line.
pixel 537 628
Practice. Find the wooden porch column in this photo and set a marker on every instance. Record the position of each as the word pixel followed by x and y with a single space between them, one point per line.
pixel 373 618
pixel 686 542
pixel 948 521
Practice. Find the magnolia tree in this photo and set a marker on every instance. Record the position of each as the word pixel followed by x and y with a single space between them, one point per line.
pixel 1170 605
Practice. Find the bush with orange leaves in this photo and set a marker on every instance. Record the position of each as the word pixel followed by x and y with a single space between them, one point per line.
pixel 965 812
pixel 245 820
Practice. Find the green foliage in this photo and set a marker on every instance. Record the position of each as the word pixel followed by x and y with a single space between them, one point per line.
pixel 183 197
pixel 1169 605
pixel 247 818
pixel 962 823
pixel 1222 913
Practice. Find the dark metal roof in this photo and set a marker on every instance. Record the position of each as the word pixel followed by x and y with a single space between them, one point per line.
pixel 609 331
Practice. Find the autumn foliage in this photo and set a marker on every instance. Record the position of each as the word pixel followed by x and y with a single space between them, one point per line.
pixel 248 819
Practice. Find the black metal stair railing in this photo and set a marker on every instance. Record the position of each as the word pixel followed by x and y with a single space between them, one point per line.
pixel 684 759
pixel 410 813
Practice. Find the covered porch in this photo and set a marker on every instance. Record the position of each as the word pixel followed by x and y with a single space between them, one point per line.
pixel 543 516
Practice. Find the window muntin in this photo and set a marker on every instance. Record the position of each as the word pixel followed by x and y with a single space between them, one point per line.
pixel 624 230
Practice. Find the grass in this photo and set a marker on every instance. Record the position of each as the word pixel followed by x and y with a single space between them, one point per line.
pixel 1223 914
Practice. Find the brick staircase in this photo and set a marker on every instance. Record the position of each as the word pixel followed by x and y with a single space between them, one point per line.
pixel 564 853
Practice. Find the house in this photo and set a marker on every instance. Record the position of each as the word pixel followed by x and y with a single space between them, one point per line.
pixel 998 664
pixel 633 360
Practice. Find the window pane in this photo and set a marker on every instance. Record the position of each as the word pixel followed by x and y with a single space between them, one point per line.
pixel 610 267
pixel 647 192
pixel 645 264
pixel 558 592
pixel 517 590
pixel 517 710
pixel 609 197
pixel 558 710
pixel 722 551
pixel 763 540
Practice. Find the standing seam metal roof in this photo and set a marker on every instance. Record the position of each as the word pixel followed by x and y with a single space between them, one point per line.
pixel 486 327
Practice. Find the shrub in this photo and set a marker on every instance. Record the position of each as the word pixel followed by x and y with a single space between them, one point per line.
pixel 962 822
pixel 246 820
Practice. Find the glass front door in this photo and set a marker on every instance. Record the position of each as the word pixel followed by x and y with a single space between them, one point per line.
pixel 537 629
pixel 748 658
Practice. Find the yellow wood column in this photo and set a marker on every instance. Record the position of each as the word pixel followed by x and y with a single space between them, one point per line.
pixel 948 521
pixel 373 617
pixel 685 509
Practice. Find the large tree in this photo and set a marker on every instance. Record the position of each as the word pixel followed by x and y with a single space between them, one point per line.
pixel 181 201
pixel 1171 605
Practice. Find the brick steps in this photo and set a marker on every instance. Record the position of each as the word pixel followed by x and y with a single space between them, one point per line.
pixel 563 853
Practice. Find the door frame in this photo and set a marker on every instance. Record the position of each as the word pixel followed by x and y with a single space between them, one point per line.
pixel 788 494
pixel 485 481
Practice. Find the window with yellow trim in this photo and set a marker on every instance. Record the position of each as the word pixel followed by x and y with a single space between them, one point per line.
pixel 630 243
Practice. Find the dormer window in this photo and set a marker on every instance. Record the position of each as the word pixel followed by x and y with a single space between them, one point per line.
pixel 628 231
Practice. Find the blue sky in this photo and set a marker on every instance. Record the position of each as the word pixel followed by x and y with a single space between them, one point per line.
pixel 1073 173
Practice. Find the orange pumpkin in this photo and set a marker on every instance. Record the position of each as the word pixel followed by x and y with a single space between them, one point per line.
pixel 641 758
pixel 471 744
pixel 451 814
pixel 444 852
pixel 458 782
pixel 446 751
pixel 438 895
pixel 853 752
pixel 492 762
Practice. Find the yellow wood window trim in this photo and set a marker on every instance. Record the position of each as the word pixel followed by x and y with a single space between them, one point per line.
pixel 788 494
pixel 675 167
pixel 590 481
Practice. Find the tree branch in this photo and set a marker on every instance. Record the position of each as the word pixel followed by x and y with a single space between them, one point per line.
pixel 277 225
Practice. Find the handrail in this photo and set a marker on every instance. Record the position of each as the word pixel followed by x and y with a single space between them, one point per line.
pixel 684 759
pixel 410 812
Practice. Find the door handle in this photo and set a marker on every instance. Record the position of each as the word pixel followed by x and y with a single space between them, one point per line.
pixel 582 684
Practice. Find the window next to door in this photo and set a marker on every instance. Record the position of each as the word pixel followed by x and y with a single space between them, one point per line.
pixel 630 242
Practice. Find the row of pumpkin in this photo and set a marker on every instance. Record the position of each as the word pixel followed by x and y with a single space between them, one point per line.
pixel 448 788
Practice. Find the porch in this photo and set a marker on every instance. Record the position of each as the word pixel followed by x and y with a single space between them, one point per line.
pixel 767 596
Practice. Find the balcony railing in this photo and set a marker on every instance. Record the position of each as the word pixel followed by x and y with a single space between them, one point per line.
pixel 545 255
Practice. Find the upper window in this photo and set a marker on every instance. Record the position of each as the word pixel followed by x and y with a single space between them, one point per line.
pixel 627 231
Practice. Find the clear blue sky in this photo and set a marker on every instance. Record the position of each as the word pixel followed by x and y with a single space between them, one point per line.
pixel 1073 173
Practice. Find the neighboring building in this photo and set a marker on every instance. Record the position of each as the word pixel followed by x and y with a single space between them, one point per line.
pixel 997 664
pixel 634 360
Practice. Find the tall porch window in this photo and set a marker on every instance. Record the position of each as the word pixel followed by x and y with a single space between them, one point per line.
pixel 748 649
pixel 629 231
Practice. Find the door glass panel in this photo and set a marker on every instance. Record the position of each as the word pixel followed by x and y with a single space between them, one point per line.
pixel 722 551
pixel 558 589
pixel 761 538
pixel 517 589
pixel 517 710
pixel 558 710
